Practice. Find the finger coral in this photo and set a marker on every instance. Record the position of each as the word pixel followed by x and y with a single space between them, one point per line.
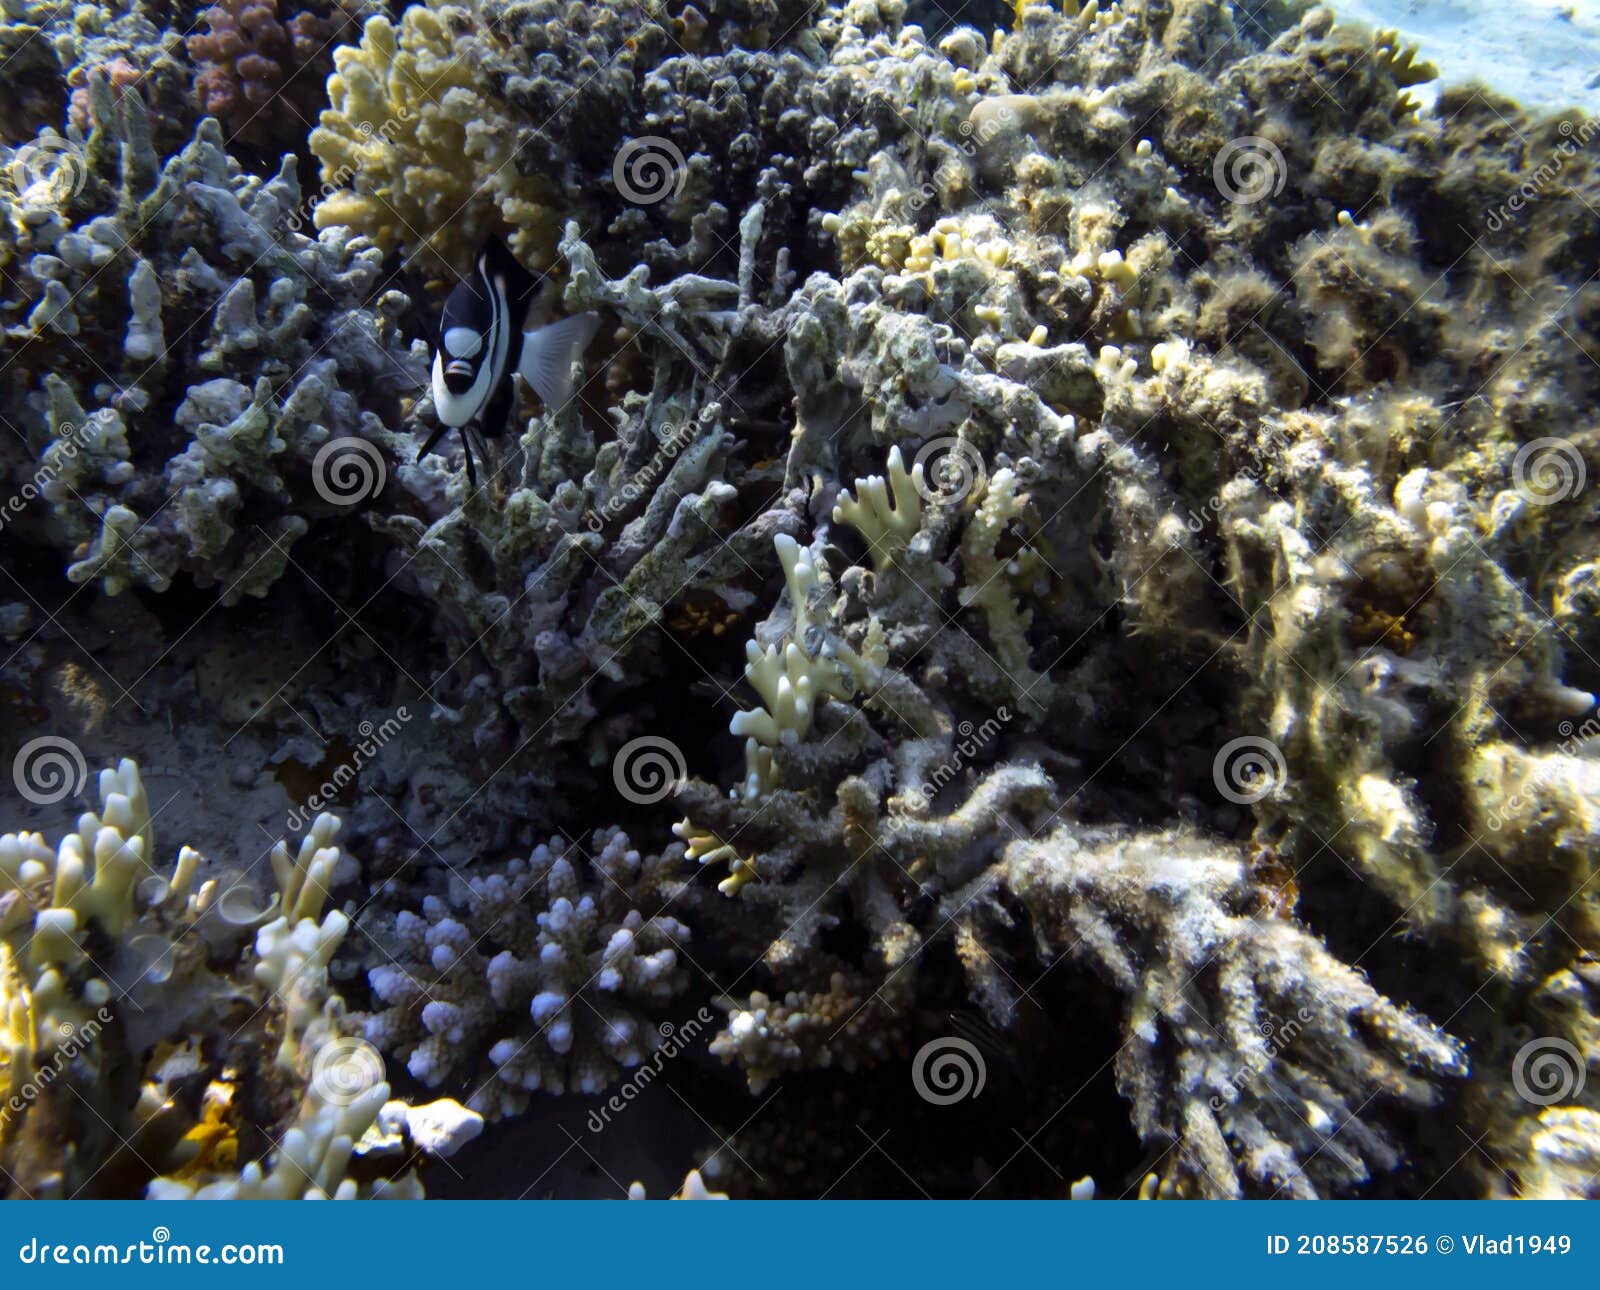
pixel 1249 1047
pixel 415 150
pixel 260 74
pixel 113 971
pixel 528 978
pixel 139 269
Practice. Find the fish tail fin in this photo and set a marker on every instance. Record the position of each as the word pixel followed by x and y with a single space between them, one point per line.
pixel 548 354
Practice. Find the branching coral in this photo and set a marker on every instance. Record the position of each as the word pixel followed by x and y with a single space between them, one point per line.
pixel 190 270
pixel 528 977
pixel 792 680
pixel 888 514
pixel 263 76
pixel 1084 401
pixel 1158 502
pixel 343 1090
pixel 405 108
pixel 1249 1047
pixel 111 971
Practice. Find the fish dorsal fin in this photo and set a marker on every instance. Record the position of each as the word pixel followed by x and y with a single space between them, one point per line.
pixel 499 265
pixel 549 352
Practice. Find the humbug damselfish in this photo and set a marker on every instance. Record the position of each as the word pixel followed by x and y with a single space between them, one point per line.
pixel 485 341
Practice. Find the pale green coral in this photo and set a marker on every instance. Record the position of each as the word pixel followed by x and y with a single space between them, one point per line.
pixel 888 514
pixel 792 677
pixel 94 935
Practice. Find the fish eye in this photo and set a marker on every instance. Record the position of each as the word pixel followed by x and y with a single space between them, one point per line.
pixel 462 342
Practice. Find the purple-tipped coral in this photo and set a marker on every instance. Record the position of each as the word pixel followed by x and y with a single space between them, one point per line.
pixel 256 71
pixel 122 77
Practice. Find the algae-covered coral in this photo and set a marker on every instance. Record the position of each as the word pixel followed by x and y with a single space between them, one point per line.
pixel 1063 607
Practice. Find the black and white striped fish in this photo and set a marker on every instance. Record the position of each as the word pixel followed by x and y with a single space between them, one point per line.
pixel 485 340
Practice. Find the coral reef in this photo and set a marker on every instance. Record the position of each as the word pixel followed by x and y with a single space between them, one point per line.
pixel 140 273
pixel 1086 527
pixel 525 978
pixel 405 108
pixel 1248 1045
pixel 108 974
pixel 259 73
pixel 56 50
